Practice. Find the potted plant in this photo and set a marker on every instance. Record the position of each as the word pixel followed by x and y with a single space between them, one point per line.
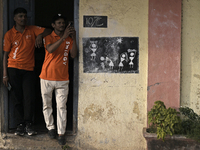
pixel 171 129
pixel 163 121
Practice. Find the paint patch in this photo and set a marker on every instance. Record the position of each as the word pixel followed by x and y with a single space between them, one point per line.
pixel 112 110
pixel 197 76
pixel 136 109
pixel 93 112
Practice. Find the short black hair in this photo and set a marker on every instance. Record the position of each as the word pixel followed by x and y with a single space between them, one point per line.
pixel 20 10
pixel 58 16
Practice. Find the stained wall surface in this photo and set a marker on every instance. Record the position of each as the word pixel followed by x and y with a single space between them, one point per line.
pixel 112 105
pixel 190 83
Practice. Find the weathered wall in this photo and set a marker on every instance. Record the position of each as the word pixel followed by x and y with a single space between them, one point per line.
pixel 112 106
pixel 190 91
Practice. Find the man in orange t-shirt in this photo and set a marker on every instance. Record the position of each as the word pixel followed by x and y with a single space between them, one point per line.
pixel 18 65
pixel 54 75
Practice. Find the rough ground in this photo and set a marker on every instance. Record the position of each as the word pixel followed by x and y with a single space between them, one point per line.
pixel 38 142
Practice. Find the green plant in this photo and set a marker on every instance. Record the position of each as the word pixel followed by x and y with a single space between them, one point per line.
pixel 190 123
pixel 65 147
pixel 164 121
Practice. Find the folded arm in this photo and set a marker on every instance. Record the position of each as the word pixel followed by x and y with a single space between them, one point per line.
pixel 39 38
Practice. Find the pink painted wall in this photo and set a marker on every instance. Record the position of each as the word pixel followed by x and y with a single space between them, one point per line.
pixel 164 52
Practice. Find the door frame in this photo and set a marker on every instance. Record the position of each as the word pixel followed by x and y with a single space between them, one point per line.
pixel 4 96
pixel 76 69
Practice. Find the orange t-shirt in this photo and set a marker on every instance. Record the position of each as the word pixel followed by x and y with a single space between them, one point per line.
pixel 55 66
pixel 21 47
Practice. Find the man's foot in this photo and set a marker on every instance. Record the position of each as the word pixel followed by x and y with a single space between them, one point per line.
pixel 30 130
pixel 52 133
pixel 61 139
pixel 20 130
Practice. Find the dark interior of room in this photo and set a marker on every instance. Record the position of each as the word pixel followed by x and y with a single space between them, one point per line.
pixel 44 11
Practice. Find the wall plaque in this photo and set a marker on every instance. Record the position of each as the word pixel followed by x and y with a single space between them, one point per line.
pixel 95 21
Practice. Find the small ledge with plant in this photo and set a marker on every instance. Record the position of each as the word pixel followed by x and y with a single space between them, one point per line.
pixel 169 128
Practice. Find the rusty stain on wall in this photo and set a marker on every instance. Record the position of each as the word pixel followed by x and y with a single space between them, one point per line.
pixel 198 92
pixel 112 110
pixel 197 105
pixel 130 125
pixel 136 109
pixel 197 76
pixel 94 112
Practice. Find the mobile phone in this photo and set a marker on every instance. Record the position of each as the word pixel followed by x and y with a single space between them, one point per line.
pixel 9 86
pixel 71 23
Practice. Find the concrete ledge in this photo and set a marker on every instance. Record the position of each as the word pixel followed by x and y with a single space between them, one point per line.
pixel 175 142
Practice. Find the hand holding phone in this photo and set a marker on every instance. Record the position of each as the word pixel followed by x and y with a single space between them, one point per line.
pixel 71 23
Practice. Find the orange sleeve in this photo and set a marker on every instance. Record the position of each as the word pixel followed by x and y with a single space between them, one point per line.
pixel 7 42
pixel 37 30
pixel 47 40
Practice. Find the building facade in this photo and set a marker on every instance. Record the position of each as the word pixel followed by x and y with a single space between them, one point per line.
pixel 131 54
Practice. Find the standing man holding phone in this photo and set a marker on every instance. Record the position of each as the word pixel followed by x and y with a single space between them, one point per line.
pixel 54 75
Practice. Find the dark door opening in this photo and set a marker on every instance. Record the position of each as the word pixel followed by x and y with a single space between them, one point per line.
pixel 43 12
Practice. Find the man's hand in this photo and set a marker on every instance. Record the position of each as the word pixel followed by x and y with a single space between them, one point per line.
pixel 69 31
pixel 39 41
pixel 5 81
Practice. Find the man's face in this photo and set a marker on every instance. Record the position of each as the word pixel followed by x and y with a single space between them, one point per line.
pixel 20 19
pixel 59 25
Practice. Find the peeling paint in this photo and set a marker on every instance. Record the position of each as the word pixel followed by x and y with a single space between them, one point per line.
pixel 112 110
pixel 93 112
pixel 197 76
pixel 96 112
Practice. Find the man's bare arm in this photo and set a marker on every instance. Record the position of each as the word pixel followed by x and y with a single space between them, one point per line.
pixel 39 38
pixel 5 63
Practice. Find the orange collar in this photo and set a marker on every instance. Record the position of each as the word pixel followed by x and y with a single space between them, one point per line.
pixel 15 31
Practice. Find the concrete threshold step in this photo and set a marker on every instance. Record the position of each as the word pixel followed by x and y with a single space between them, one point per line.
pixel 37 142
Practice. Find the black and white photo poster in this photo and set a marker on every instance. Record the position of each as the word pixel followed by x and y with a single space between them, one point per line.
pixel 111 55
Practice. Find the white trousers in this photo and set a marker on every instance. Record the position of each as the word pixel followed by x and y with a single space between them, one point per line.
pixel 61 92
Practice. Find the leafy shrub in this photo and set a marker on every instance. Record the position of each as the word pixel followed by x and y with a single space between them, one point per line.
pixel 164 121
pixel 190 123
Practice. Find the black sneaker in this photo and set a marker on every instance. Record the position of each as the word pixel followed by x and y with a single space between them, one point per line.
pixel 52 133
pixel 61 140
pixel 20 130
pixel 30 130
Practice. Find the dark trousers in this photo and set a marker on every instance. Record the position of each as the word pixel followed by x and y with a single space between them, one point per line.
pixel 22 94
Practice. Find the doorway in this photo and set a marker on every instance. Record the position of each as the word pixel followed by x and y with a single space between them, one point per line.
pixel 40 13
pixel 44 11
